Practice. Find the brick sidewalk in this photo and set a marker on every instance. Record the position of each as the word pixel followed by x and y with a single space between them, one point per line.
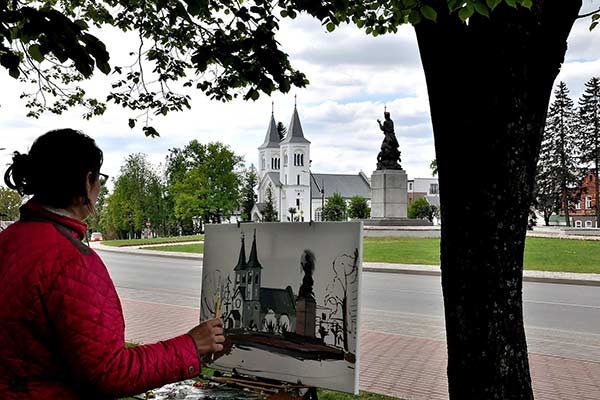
pixel 401 366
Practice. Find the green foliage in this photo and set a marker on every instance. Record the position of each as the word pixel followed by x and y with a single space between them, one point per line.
pixel 358 208
pixel 138 198
pixel 203 182
pixel 335 208
pixel 434 168
pixel 269 214
pixel 93 220
pixel 557 169
pixel 248 193
pixel 223 48
pixel 421 209
pixel 10 201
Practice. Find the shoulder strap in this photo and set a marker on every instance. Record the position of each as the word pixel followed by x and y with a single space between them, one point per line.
pixel 63 230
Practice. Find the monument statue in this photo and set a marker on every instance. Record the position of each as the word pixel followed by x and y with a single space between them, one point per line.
pixel 389 156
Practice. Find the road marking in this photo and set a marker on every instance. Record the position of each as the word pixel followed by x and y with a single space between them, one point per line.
pixel 563 304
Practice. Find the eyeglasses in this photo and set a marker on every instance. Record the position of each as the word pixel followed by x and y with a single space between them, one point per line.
pixel 103 178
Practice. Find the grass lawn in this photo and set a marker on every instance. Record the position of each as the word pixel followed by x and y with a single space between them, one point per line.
pixel 560 255
pixel 185 248
pixel 158 240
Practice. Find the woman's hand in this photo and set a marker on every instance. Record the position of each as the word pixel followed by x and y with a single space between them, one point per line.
pixel 208 337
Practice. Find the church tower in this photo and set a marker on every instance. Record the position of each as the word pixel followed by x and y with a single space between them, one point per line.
pixel 294 174
pixel 253 281
pixel 268 152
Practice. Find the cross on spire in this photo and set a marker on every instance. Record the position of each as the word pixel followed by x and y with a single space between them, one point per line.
pixel 384 108
pixel 272 107
pixel 295 100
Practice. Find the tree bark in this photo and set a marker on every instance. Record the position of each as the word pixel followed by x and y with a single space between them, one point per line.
pixel 489 85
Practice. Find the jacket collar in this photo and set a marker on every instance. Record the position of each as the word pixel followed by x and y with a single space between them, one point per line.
pixel 33 210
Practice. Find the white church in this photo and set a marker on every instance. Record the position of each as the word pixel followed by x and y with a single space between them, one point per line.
pixel 284 165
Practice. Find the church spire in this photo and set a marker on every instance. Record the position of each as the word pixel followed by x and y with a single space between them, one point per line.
pixel 241 265
pixel 294 132
pixel 272 136
pixel 253 260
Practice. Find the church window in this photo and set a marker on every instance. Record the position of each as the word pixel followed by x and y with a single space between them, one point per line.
pixel 301 159
pixel 244 278
pixel 298 203
pixel 318 214
pixel 256 278
pixel 237 278
pixel 286 179
pixel 250 277
pixel 588 202
pixel 433 188
pixel 285 159
pixel 263 163
pixel 298 180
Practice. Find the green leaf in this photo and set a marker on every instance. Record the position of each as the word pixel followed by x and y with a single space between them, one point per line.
pixel 593 25
pixel 429 13
pixel 131 123
pixel 330 27
pixel 35 53
pixel 595 17
pixel 14 72
pixel 512 3
pixel 454 5
pixel 492 4
pixel 466 12
pixel 482 9
pixel 150 131
pixel 414 17
pixel 283 13
pixel 527 3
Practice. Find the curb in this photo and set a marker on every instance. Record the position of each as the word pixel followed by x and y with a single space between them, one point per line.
pixel 424 270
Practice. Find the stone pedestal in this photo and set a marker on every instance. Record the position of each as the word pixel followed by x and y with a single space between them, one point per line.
pixel 389 198
pixel 306 316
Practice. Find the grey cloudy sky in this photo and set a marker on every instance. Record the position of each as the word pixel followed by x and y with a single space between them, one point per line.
pixel 352 77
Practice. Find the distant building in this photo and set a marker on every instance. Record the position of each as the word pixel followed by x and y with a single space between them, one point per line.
pixel 583 214
pixel 284 166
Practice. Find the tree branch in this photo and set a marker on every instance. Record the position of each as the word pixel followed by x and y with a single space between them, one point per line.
pixel 588 14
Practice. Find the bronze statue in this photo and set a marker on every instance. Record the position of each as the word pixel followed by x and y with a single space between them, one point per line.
pixel 389 156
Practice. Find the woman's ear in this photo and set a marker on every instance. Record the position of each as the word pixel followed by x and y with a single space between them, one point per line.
pixel 89 183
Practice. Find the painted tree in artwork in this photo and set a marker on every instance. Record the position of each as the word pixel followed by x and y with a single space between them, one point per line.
pixel 589 137
pixel 339 292
pixel 223 292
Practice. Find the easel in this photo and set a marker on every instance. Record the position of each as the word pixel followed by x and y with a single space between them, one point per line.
pixel 271 389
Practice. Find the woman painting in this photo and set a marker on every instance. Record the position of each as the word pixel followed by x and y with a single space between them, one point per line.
pixel 61 323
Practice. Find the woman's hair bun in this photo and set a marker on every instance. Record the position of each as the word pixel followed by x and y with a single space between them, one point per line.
pixel 17 175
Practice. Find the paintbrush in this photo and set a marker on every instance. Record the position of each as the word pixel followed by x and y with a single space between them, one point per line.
pixel 217 311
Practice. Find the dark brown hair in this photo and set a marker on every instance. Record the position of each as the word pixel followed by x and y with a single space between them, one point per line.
pixel 56 167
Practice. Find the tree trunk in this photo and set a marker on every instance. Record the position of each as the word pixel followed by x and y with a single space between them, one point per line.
pixel 489 86
pixel 345 321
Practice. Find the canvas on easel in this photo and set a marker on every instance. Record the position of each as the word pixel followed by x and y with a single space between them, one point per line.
pixel 288 294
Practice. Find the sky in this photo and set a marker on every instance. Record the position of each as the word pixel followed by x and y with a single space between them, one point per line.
pixel 352 77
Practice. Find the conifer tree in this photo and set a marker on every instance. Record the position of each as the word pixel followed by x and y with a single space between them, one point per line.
pixel 589 137
pixel 557 165
pixel 248 193
pixel 269 213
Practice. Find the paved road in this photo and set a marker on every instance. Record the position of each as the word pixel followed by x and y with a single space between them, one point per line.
pixel 561 320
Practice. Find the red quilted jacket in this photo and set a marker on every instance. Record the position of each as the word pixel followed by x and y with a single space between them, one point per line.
pixel 61 323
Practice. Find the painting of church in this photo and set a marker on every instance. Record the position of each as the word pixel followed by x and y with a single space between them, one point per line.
pixel 255 307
